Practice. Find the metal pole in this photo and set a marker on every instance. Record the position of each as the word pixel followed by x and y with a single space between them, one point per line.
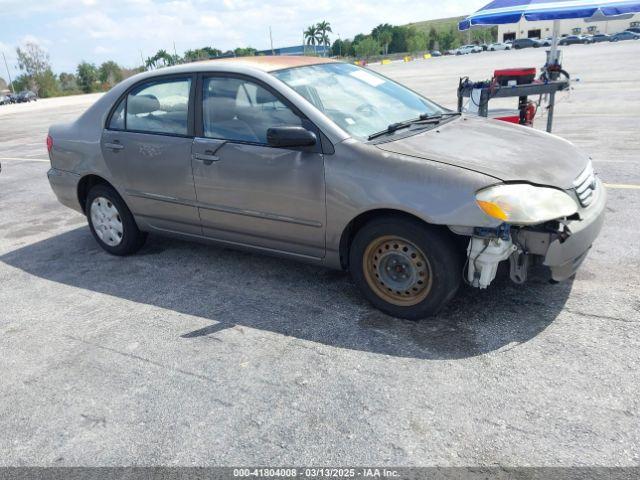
pixel 552 101
pixel 553 56
pixel 273 52
pixel 9 74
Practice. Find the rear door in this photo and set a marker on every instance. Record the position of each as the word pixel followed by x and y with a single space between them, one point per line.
pixel 147 147
pixel 250 193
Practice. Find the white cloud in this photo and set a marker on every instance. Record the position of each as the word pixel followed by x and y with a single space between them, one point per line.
pixel 123 28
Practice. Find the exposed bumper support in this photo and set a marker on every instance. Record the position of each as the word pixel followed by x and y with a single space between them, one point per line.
pixel 562 251
pixel 564 254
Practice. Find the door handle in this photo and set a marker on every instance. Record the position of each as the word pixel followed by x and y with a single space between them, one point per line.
pixel 206 158
pixel 114 146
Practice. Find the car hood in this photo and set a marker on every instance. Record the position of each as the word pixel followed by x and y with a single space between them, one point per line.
pixel 504 151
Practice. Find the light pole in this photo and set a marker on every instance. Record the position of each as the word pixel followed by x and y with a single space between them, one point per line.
pixel 8 73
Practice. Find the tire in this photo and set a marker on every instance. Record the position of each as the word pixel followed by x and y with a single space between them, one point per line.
pixel 111 222
pixel 418 272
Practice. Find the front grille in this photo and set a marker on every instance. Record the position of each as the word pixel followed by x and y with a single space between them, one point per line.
pixel 585 186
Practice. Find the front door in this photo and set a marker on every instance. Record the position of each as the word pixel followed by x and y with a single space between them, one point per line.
pixel 147 148
pixel 248 192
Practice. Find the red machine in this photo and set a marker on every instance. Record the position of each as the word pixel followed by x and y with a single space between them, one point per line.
pixel 514 76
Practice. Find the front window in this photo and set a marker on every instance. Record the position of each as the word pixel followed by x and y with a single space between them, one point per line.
pixel 240 110
pixel 360 101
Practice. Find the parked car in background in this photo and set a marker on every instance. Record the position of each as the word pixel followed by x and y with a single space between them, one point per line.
pixel 499 46
pixel 4 99
pixel 467 49
pixel 634 30
pixel 601 37
pixel 329 163
pixel 545 42
pixel 627 35
pixel 525 43
pixel 436 53
pixel 27 96
pixel 574 40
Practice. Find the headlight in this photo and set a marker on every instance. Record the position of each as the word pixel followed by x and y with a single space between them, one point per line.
pixel 524 204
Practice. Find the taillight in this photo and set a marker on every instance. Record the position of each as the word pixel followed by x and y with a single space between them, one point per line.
pixel 49 143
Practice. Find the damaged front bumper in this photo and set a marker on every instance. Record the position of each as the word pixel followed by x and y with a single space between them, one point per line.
pixel 565 250
pixel 560 246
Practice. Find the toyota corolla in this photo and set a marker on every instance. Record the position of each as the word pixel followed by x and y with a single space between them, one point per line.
pixel 332 164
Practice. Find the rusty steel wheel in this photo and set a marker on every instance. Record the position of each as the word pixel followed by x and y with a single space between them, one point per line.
pixel 397 271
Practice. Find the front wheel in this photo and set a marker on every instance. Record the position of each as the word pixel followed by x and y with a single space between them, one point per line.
pixel 111 222
pixel 405 268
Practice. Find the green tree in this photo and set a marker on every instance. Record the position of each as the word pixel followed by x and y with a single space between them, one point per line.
pixel 312 37
pixel 87 76
pixel 324 29
pixel 245 52
pixel 448 40
pixel 34 62
pixel 367 47
pixel 199 54
pixel 22 82
pixel 47 84
pixel 417 42
pixel 68 82
pixel 110 73
pixel 399 42
pixel 347 48
pixel 433 39
pixel 385 37
pixel 384 27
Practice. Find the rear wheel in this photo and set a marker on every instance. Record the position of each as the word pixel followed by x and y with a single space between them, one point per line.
pixel 111 222
pixel 404 268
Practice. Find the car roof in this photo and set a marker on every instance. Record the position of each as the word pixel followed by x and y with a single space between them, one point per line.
pixel 266 63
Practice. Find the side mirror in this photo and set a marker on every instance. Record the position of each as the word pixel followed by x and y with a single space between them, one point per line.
pixel 290 137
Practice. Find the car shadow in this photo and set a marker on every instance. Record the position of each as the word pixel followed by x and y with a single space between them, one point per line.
pixel 227 288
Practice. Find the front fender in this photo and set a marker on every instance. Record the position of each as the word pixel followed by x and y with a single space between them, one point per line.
pixel 362 178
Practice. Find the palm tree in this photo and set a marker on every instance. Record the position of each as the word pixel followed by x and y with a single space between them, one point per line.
pixel 324 28
pixel 311 35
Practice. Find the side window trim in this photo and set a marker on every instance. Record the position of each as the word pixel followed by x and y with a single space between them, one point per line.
pixel 191 107
pixel 199 117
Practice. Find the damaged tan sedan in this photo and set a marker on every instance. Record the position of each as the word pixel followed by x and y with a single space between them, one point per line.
pixel 332 164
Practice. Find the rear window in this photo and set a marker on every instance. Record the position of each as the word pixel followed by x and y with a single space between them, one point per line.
pixel 155 107
pixel 159 107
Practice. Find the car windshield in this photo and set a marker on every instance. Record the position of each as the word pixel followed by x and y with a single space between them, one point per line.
pixel 360 101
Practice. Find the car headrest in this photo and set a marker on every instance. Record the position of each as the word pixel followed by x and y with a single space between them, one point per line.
pixel 218 109
pixel 140 104
pixel 264 96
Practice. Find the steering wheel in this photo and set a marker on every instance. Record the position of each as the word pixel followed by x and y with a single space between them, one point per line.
pixel 367 109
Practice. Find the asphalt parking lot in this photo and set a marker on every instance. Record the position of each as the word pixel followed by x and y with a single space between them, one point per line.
pixel 192 355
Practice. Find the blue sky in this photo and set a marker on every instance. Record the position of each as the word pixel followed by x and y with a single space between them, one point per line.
pixel 99 30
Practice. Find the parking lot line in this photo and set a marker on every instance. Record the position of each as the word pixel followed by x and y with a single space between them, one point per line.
pixel 622 186
pixel 9 159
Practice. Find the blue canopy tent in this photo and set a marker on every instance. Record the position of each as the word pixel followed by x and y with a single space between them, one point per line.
pixel 511 11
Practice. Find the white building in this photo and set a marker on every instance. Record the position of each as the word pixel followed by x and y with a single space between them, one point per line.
pixel 544 29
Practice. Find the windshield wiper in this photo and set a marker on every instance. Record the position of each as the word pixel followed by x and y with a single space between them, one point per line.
pixel 424 119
